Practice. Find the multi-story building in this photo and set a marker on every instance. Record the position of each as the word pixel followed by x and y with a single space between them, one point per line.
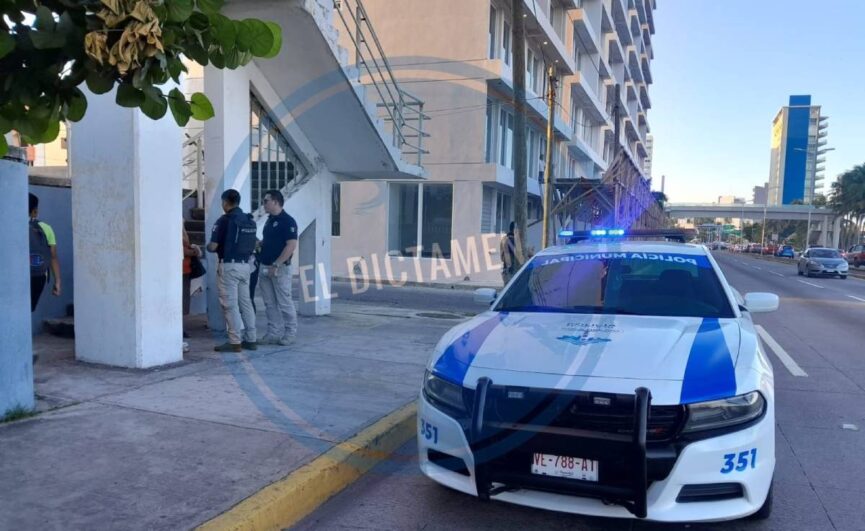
pixel 761 194
pixel 798 144
pixel 458 56
pixel 650 150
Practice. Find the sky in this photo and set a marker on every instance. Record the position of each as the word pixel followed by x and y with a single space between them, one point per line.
pixel 723 69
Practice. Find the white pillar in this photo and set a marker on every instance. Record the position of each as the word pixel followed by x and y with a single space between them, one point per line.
pixel 16 352
pixel 226 160
pixel 836 233
pixel 126 217
pixel 824 229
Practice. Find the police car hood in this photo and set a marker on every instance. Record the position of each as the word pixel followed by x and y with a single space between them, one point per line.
pixel 600 346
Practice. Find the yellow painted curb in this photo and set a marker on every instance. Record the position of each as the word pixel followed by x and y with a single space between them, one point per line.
pixel 286 502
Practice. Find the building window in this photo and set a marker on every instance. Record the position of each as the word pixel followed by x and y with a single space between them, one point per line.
pixel 506 43
pixel 273 164
pixel 493 25
pixel 504 213
pixel 506 139
pixel 335 212
pixel 403 218
pixel 437 220
pixel 420 213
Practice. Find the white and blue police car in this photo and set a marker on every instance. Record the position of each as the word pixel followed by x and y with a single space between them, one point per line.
pixel 613 376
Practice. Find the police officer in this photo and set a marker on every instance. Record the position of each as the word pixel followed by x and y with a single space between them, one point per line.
pixel 233 240
pixel 277 248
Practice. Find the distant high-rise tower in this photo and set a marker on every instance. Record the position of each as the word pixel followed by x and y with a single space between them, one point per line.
pixel 798 142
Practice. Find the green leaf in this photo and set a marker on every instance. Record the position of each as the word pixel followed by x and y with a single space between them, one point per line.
pixel 257 37
pixel 99 82
pixel 77 106
pixel 44 19
pixel 51 132
pixel 178 10
pixel 210 6
pixel 5 124
pixel 179 107
pixel 4 147
pixel 199 21
pixel 47 40
pixel 155 105
pixel 241 43
pixel 7 44
pixel 201 107
pixel 276 30
pixel 224 31
pixel 217 59
pixel 175 69
pixel 232 59
pixel 129 96
pixel 195 52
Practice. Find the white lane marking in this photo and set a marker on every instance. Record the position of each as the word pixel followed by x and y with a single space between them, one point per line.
pixel 777 274
pixel 755 267
pixel 810 284
pixel 779 351
pixel 857 298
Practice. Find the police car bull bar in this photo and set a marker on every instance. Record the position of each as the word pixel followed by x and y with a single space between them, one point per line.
pixel 632 497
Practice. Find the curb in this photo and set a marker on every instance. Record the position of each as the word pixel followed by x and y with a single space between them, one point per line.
pixel 286 502
pixel 416 284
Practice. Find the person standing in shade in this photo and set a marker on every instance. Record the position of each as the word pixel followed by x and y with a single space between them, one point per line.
pixel 277 248
pixel 509 255
pixel 233 239
pixel 43 254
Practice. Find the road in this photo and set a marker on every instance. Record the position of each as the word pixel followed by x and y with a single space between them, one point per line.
pixel 820 474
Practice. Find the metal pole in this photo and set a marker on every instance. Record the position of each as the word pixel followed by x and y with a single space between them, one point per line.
pixel 520 151
pixel 548 166
pixel 763 236
pixel 808 232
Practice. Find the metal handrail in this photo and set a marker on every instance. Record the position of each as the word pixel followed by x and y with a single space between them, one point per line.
pixel 372 64
pixel 196 161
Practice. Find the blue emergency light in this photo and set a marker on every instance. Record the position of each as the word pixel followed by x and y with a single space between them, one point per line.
pixel 566 233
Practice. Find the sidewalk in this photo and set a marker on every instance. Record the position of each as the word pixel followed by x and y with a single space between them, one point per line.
pixel 174 447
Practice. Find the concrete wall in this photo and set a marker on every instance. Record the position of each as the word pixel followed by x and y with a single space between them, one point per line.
pixel 16 363
pixel 55 208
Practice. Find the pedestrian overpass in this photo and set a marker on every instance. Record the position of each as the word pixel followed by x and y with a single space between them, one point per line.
pixel 824 220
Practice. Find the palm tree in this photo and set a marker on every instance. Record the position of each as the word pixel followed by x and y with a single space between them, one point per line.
pixel 848 197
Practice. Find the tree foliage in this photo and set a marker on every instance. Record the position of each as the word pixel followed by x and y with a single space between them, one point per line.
pixel 847 198
pixel 48 48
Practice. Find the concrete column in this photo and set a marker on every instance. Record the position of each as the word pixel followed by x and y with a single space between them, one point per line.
pixel 836 233
pixel 310 207
pixel 226 160
pixel 126 217
pixel 16 352
pixel 824 229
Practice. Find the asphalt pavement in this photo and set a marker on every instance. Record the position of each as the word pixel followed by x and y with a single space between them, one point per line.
pixel 817 334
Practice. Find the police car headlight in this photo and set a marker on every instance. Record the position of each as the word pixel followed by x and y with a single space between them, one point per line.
pixel 443 393
pixel 719 414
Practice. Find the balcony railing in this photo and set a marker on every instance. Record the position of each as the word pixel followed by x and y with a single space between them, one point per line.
pixel 403 111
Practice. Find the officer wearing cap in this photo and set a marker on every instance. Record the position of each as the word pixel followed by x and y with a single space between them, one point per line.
pixel 233 240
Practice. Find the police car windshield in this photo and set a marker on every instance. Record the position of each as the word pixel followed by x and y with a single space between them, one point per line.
pixel 632 283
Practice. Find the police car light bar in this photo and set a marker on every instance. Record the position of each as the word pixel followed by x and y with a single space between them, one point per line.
pixel 678 235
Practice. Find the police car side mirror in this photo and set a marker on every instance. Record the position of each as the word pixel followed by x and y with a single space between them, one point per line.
pixel 761 302
pixel 485 296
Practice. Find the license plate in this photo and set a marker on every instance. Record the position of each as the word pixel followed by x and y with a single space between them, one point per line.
pixel 561 466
